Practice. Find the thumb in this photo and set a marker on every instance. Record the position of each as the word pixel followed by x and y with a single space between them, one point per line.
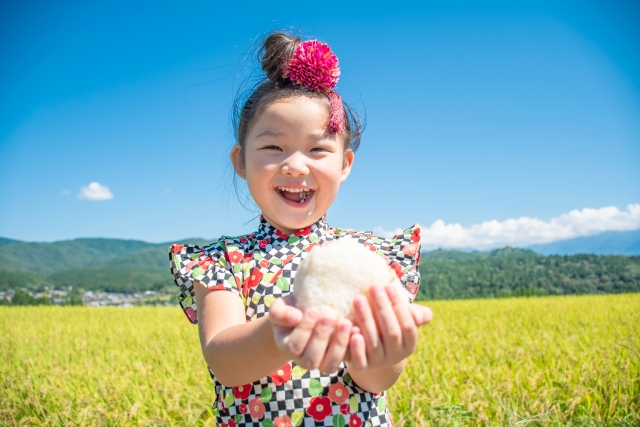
pixel 421 314
pixel 282 314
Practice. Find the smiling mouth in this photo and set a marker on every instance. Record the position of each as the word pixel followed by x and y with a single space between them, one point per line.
pixel 296 195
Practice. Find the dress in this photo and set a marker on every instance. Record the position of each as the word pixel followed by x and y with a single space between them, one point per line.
pixel 259 268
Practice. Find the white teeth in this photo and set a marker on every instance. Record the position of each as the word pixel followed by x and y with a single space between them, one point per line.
pixel 305 192
pixel 292 190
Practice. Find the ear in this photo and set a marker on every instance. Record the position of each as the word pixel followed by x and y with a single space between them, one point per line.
pixel 237 161
pixel 347 163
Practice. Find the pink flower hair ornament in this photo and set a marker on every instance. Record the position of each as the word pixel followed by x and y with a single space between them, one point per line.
pixel 314 66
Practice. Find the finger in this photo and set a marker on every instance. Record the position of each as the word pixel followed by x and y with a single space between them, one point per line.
pixel 368 328
pixel 358 352
pixel 421 314
pixel 318 342
pixel 297 340
pixel 365 322
pixel 338 346
pixel 284 315
pixel 386 316
pixel 354 331
pixel 408 327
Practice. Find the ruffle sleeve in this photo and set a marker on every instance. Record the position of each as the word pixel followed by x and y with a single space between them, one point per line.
pixel 207 265
pixel 404 257
pixel 402 253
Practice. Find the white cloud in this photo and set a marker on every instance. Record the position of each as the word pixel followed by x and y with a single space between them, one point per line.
pixel 526 231
pixel 65 192
pixel 95 192
pixel 380 231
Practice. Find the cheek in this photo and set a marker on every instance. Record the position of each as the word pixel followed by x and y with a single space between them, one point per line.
pixel 258 168
pixel 331 178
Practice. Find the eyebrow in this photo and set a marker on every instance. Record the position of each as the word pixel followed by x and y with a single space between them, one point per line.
pixel 268 132
pixel 274 132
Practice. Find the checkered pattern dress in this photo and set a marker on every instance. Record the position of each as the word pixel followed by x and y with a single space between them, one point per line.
pixel 259 268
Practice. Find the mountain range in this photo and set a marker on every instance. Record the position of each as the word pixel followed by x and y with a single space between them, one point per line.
pixel 119 265
pixel 607 243
pixel 114 265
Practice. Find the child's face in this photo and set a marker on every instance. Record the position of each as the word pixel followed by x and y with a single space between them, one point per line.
pixel 289 149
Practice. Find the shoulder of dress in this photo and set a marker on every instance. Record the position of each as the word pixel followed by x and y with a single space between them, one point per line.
pixel 221 252
pixel 191 247
pixel 245 243
pixel 410 234
pixel 222 244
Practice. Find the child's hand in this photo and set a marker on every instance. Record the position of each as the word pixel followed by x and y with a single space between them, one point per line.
pixel 309 339
pixel 387 329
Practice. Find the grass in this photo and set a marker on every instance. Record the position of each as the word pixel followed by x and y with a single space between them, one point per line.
pixel 534 361
pixel 106 366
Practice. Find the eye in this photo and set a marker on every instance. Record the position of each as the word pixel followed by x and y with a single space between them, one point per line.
pixel 320 149
pixel 271 147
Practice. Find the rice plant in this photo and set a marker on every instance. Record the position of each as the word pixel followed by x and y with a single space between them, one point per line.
pixel 508 362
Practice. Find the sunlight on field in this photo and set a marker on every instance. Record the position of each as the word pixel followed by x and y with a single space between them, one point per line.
pixel 100 365
pixel 496 362
pixel 546 360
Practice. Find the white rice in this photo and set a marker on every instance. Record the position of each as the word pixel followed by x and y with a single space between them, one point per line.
pixel 331 276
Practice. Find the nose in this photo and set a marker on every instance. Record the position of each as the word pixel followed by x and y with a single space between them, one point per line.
pixel 295 165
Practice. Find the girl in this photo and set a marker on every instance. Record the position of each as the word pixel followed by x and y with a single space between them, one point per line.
pixel 273 365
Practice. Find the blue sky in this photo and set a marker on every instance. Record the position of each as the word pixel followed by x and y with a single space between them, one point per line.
pixel 520 119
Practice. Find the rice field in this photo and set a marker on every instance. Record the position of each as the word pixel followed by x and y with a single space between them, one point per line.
pixel 533 361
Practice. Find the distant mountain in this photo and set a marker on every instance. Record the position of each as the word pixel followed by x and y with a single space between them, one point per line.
pixel 476 275
pixel 44 259
pixel 453 255
pixel 20 280
pixel 134 266
pixel 47 258
pixel 92 264
pixel 607 243
pixel 509 252
pixel 5 241
pixel 112 279
pixel 152 257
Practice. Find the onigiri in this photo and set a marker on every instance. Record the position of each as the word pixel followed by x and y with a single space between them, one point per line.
pixel 331 276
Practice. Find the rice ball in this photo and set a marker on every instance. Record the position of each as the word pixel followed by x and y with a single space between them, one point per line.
pixel 331 276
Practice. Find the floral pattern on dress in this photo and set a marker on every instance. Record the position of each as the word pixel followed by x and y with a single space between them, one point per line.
pixel 260 267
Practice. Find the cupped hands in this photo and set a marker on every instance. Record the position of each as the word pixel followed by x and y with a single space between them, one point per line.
pixel 384 334
pixel 311 339
pixel 386 330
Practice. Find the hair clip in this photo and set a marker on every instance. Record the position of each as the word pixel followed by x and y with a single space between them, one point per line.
pixel 314 66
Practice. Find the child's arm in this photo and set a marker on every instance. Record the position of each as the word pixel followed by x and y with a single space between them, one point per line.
pixel 241 352
pixel 386 335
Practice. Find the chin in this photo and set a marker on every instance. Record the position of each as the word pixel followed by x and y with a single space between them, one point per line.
pixel 301 222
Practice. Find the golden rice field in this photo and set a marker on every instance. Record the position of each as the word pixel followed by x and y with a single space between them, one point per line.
pixel 533 361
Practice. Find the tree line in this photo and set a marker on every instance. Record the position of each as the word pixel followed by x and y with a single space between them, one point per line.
pixel 506 272
pixel 528 275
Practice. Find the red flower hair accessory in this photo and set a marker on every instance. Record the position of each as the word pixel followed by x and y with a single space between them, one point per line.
pixel 314 66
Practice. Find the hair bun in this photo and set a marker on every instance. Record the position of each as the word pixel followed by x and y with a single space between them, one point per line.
pixel 277 51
